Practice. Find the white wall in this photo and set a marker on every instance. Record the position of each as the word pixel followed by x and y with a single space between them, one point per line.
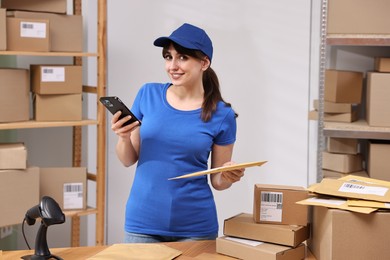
pixel 262 57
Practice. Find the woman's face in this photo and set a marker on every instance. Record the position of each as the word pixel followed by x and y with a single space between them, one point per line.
pixel 183 69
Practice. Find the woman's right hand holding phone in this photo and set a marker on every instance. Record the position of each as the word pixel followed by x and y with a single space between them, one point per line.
pixel 117 125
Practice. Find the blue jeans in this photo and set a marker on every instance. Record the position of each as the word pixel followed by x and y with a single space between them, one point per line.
pixel 143 238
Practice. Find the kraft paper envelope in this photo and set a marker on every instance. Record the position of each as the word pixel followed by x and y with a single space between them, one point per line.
pixel 368 203
pixel 137 252
pixel 353 189
pixel 335 204
pixel 220 169
pixel 365 179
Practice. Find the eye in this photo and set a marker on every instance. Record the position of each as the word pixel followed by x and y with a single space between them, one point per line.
pixel 183 57
pixel 167 57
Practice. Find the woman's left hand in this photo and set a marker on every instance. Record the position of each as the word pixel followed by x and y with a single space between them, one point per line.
pixel 234 175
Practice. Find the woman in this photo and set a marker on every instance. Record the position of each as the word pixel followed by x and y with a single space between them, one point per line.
pixel 183 122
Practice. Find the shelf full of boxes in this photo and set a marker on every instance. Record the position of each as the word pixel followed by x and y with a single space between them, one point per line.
pixel 49 95
pixel 353 116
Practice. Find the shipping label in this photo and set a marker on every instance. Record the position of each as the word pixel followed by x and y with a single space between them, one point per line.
pixel 33 30
pixel 73 195
pixel 271 206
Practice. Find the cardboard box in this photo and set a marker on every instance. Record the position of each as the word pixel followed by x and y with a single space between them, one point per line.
pixel 335 117
pixel 56 79
pixel 67 186
pixel 339 235
pixel 382 64
pixel 3 30
pixel 15 95
pixel 254 250
pixel 378 160
pixel 63 107
pixel 343 86
pixel 342 145
pixel 275 204
pixel 345 163
pixel 243 226
pixel 378 96
pixel 66 31
pixel 358 17
pixel 332 107
pixel 50 6
pixel 13 156
pixel 19 191
pixel 337 175
pixel 27 34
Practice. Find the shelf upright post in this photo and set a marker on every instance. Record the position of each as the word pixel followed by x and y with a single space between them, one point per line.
pixel 322 68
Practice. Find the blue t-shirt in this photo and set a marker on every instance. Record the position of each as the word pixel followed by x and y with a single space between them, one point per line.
pixel 172 143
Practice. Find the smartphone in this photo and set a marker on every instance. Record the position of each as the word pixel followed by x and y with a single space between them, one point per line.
pixel 114 104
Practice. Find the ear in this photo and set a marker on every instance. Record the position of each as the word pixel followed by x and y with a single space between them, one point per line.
pixel 205 63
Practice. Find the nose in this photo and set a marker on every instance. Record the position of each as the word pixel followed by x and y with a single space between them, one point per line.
pixel 174 64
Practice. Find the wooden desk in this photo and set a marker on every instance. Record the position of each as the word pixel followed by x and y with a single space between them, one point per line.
pixel 191 250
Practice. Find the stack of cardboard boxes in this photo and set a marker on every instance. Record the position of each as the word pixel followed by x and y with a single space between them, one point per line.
pixel 350 218
pixel 342 157
pixel 342 96
pixel 40 26
pixel 276 229
pixel 22 186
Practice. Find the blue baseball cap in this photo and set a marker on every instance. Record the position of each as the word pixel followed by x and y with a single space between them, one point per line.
pixel 190 37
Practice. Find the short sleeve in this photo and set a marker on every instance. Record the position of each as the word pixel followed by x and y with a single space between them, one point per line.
pixel 136 107
pixel 228 129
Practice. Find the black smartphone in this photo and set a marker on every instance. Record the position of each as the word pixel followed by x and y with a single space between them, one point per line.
pixel 114 104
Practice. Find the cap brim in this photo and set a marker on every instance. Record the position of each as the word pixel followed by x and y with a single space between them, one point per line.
pixel 163 41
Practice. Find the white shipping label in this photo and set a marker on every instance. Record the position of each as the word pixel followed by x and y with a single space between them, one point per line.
pixel 327 201
pixel 244 241
pixel 271 206
pixel 73 195
pixel 32 30
pixel 53 74
pixel 362 189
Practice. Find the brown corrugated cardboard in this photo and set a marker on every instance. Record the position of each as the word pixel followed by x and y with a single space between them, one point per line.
pixel 382 64
pixel 358 17
pixel 336 117
pixel 340 235
pixel 19 191
pixel 337 175
pixel 243 226
pixel 63 107
pixel 27 34
pixel 343 86
pixel 254 250
pixel 276 204
pixel 15 95
pixel 353 189
pixel 67 186
pixel 342 145
pixel 66 31
pixel 378 96
pixel 3 30
pixel 13 156
pixel 378 160
pixel 51 6
pixel 332 107
pixel 56 79
pixel 345 163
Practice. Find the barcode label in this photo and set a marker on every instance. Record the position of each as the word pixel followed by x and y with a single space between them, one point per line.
pixel 53 74
pixel 362 189
pixel 28 26
pixel 271 205
pixel 272 197
pixel 73 195
pixel 33 30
